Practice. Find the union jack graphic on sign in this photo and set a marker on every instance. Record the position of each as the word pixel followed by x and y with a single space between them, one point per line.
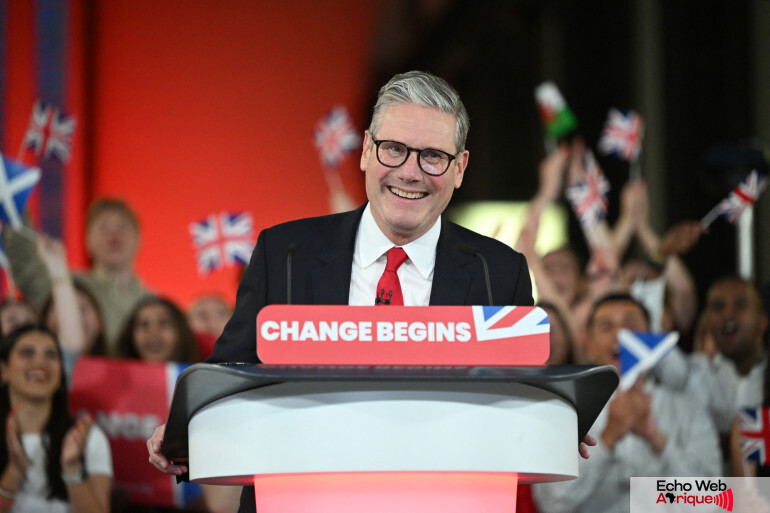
pixel 754 425
pixel 497 322
pixel 223 240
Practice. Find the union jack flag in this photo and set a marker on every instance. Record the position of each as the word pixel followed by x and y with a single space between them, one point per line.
pixel 744 195
pixel 50 132
pixel 335 137
pixel 497 322
pixel 223 240
pixel 622 135
pixel 588 196
pixel 754 424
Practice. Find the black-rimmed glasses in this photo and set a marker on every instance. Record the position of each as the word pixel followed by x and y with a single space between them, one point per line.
pixel 394 154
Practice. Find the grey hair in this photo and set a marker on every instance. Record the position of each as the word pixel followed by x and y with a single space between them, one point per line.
pixel 426 90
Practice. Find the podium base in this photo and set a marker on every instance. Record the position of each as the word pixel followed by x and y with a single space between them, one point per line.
pixel 386 492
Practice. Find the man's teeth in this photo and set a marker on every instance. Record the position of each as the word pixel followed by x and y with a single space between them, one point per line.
pixel 407 195
pixel 730 327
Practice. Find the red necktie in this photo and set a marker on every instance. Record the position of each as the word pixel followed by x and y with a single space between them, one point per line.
pixel 389 288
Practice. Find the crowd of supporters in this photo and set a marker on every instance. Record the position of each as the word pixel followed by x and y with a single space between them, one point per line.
pixel 679 420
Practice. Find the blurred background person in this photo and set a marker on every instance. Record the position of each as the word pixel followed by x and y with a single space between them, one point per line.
pixel 112 239
pixel 157 331
pixel 49 461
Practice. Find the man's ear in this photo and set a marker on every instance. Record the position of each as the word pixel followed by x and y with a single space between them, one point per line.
pixel 462 163
pixel 366 150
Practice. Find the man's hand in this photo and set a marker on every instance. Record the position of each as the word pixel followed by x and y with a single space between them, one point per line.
pixel 157 459
pixel 647 428
pixel 551 172
pixel 626 411
pixel 680 238
pixel 588 441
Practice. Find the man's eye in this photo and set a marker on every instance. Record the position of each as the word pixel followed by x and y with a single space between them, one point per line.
pixel 394 148
pixel 432 155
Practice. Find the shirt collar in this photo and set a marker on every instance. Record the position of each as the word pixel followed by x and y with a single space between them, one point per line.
pixel 372 244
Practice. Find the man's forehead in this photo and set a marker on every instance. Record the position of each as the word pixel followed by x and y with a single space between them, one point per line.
pixel 730 290
pixel 111 214
pixel 410 115
pixel 619 310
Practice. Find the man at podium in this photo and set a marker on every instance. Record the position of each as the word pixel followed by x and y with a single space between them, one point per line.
pixel 397 249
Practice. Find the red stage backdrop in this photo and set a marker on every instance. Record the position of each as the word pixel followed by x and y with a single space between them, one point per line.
pixel 186 109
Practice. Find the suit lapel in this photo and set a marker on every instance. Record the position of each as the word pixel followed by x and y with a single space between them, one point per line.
pixel 451 281
pixel 331 277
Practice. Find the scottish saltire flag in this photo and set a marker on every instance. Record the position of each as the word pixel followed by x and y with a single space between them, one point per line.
pixel 16 184
pixel 640 352
pixel 622 135
pixel 50 132
pixel 588 197
pixel 335 137
pixel 223 240
pixel 555 114
pixel 128 399
pixel 744 195
pixel 497 322
pixel 754 425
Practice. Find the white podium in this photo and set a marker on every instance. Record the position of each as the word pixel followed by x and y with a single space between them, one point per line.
pixel 348 438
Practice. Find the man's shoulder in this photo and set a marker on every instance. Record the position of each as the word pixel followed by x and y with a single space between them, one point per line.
pixel 481 243
pixel 314 223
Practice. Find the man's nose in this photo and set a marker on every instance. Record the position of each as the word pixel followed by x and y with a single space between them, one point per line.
pixel 410 169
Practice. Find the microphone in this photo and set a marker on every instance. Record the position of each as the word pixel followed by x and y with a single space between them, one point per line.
pixel 289 255
pixel 468 250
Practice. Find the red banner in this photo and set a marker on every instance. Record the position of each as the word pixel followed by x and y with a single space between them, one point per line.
pixel 129 399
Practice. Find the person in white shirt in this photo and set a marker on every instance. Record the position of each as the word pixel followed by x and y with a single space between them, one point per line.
pixel 48 461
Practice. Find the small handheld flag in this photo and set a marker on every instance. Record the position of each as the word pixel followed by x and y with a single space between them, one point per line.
pixel 558 120
pixel 640 352
pixel 743 196
pixel 754 425
pixel 622 135
pixel 335 137
pixel 588 197
pixel 16 184
pixel 223 240
pixel 49 132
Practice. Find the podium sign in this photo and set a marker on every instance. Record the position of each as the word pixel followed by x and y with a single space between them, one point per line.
pixel 399 335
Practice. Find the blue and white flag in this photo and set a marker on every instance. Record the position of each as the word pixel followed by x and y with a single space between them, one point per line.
pixel 640 352
pixel 16 184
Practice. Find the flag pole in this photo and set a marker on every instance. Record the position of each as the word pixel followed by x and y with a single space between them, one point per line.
pixel 710 217
pixel 635 168
pixel 745 244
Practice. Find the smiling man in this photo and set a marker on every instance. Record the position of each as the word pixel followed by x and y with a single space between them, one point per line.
pixel 733 378
pixel 395 249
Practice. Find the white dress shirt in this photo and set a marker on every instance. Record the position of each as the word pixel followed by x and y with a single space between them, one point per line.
pixel 370 256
